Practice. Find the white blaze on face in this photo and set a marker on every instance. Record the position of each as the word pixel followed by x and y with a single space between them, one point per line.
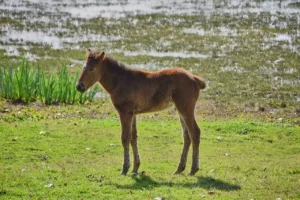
pixel 84 66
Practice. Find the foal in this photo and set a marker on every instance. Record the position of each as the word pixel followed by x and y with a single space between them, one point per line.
pixel 136 91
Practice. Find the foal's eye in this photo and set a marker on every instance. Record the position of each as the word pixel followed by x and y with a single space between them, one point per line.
pixel 88 68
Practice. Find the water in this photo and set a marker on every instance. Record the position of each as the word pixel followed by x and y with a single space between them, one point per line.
pixel 53 23
pixel 233 69
pixel 117 9
pixel 166 54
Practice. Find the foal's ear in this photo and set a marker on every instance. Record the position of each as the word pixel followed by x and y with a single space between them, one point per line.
pixel 89 52
pixel 101 56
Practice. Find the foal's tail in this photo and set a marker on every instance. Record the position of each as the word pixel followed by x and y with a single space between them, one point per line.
pixel 200 81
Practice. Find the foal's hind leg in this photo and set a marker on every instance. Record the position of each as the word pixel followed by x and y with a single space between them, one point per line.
pixel 186 111
pixel 186 145
pixel 194 132
pixel 136 156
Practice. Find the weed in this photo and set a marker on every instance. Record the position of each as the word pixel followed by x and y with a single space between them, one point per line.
pixel 27 84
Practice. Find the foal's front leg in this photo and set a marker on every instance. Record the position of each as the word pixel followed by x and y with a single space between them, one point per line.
pixel 136 156
pixel 126 121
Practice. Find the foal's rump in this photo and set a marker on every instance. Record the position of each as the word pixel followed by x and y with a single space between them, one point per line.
pixel 185 80
pixel 200 81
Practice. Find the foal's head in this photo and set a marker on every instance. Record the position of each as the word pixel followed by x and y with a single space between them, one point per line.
pixel 91 71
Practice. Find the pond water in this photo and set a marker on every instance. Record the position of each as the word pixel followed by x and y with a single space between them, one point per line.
pixel 51 23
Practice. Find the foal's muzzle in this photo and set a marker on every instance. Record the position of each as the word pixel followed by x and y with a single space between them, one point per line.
pixel 80 87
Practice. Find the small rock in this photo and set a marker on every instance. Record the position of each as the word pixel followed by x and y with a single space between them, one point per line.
pixel 219 138
pixel 280 119
pixel 159 198
pixel 49 185
pixel 88 148
pixel 261 109
pixel 142 173
pixel 283 105
pixel 42 132
pixel 245 131
pixel 212 170
pixel 89 175
pixel 226 154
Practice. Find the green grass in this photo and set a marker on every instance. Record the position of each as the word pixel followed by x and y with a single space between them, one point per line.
pixel 28 84
pixel 82 158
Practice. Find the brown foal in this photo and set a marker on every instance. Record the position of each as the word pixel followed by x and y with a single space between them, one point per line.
pixel 135 91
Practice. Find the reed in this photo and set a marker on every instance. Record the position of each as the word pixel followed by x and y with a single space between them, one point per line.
pixel 27 84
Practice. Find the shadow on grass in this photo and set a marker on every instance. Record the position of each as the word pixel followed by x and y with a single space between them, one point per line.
pixel 202 182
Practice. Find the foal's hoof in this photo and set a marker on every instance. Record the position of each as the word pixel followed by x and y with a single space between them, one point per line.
pixel 125 169
pixel 179 170
pixel 193 172
pixel 124 172
pixel 142 173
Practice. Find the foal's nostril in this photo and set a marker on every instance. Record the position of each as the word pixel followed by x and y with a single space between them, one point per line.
pixel 80 87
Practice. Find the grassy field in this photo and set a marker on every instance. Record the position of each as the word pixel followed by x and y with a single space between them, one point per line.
pixel 248 52
pixel 72 153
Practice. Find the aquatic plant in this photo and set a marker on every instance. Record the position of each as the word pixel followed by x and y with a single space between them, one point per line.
pixel 27 84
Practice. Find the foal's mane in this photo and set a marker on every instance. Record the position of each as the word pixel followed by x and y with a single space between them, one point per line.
pixel 115 65
pixel 112 63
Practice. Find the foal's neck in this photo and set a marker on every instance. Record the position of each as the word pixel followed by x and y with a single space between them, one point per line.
pixel 112 72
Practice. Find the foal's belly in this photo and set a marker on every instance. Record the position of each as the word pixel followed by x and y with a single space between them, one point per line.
pixel 157 96
pixel 153 104
pixel 154 108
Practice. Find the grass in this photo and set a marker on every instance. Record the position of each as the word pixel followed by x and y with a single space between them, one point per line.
pixel 27 84
pixel 73 157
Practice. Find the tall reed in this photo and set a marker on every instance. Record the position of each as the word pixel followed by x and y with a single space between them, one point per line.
pixel 27 84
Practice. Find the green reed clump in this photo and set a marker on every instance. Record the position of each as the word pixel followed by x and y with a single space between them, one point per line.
pixel 26 84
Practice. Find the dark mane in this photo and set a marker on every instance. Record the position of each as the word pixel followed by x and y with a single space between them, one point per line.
pixel 116 66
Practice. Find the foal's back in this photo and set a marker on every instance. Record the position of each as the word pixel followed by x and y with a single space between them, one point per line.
pixel 152 91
